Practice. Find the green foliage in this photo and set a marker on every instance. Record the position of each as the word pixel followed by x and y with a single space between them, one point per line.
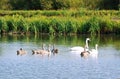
pixel 5 5
pixel 3 25
pixel 58 4
pixel 71 27
pixel 65 13
pixel 107 25
pixel 61 22
pixel 109 4
pixel 93 25
pixel 116 27
pixel 46 4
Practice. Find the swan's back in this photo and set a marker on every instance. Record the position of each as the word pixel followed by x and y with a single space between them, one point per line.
pixel 77 48
pixel 94 52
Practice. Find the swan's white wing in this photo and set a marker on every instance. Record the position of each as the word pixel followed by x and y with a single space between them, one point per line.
pixel 93 53
pixel 77 48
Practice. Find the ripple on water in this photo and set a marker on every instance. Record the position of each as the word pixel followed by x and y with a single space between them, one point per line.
pixel 65 65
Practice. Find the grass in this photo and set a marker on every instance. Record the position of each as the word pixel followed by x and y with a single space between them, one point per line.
pixel 60 22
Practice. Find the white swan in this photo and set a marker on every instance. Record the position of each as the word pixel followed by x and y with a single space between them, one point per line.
pixel 79 48
pixel 94 52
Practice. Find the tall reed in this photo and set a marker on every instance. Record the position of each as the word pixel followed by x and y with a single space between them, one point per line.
pixel 59 24
pixel 72 13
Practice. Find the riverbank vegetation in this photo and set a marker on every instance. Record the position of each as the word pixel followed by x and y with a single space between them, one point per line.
pixel 60 22
pixel 59 4
pixel 59 16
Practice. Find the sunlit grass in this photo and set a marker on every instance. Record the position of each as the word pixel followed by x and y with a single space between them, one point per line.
pixel 60 22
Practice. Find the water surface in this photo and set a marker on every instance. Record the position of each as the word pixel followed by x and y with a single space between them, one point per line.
pixel 65 64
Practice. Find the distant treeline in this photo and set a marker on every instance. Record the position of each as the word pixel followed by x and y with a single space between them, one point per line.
pixel 59 4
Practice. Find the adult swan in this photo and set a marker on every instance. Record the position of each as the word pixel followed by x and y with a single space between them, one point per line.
pixel 79 48
pixel 94 52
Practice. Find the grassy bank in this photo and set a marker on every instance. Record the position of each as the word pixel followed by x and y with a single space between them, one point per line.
pixel 60 22
pixel 70 13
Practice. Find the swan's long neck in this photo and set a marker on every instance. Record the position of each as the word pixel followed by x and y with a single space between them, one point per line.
pixel 49 51
pixel 96 47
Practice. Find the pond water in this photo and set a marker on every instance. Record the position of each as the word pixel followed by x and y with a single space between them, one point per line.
pixel 65 64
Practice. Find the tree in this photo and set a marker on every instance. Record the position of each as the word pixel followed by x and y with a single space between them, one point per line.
pixel 5 5
pixel 76 4
pixel 46 4
pixel 17 4
pixel 60 4
pixel 109 4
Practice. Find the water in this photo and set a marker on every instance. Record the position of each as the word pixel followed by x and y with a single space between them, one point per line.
pixel 65 64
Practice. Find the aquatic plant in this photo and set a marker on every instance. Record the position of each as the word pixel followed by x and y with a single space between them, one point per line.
pixel 60 22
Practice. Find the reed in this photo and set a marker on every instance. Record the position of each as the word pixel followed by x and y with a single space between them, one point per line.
pixel 3 25
pixel 92 26
pixel 72 13
pixel 60 22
